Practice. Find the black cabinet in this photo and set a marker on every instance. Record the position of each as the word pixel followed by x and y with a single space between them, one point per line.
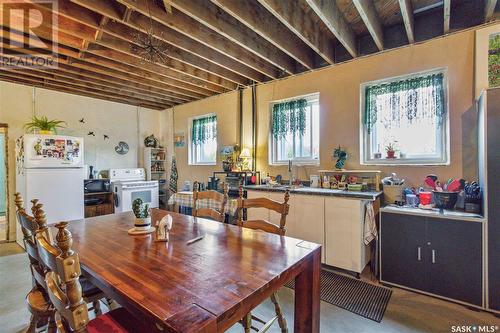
pixel 436 255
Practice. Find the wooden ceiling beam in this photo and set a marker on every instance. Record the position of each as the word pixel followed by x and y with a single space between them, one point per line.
pixel 46 84
pixel 168 6
pixel 204 35
pixel 331 15
pixel 446 16
pixel 225 25
pixel 163 81
pixel 295 18
pixel 407 13
pixel 85 83
pixel 110 68
pixel 489 9
pixel 258 19
pixel 368 13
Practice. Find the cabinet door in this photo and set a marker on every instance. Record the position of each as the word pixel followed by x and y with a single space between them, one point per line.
pixel 257 213
pixel 343 233
pixel 454 256
pixel 306 219
pixel 402 246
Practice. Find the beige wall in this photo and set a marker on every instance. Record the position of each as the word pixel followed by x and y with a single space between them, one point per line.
pixel 121 122
pixel 339 88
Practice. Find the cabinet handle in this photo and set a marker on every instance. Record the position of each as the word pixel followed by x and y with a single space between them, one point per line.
pixel 433 256
pixel 419 253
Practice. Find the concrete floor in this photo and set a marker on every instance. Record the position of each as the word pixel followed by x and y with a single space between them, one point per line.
pixel 407 311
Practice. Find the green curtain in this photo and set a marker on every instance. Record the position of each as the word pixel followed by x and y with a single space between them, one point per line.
pixel 407 99
pixel 289 117
pixel 204 129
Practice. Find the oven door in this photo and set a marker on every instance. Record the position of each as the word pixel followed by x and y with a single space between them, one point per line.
pixel 128 193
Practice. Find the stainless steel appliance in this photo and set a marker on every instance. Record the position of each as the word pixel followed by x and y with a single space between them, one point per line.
pixel 130 184
pixel 96 185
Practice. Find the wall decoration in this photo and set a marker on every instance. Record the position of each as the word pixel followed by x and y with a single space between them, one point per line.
pixel 179 139
pixel 341 156
pixel 91 134
pixel 82 120
pixel 494 61
pixel 122 148
pixel 106 137
pixel 151 141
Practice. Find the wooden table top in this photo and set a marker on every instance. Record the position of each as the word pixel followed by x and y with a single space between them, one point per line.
pixel 195 286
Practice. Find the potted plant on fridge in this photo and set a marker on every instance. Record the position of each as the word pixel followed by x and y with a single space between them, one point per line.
pixel 142 214
pixel 42 125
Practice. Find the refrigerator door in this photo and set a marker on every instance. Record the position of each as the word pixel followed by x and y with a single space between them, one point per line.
pixel 59 190
pixel 52 151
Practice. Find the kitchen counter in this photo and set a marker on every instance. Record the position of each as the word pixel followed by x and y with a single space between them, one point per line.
pixel 369 195
pixel 447 214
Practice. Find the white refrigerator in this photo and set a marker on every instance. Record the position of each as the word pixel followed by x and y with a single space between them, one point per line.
pixel 50 168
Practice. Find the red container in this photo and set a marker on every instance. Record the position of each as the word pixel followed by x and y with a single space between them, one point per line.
pixel 425 198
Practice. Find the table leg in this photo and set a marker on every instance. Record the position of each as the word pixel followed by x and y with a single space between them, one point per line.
pixel 307 296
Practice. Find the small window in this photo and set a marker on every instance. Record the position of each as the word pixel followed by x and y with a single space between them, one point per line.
pixel 203 140
pixel 404 121
pixel 295 131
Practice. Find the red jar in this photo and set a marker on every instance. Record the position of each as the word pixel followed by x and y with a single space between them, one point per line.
pixel 425 198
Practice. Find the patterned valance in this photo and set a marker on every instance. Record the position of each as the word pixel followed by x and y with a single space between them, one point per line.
pixel 204 129
pixel 420 98
pixel 289 118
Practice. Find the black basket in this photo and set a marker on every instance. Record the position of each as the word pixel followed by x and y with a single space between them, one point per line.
pixel 445 200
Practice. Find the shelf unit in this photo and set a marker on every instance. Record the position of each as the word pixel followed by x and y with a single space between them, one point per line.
pixel 374 175
pixel 105 205
pixel 156 169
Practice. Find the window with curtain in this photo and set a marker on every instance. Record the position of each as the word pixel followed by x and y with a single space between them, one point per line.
pixel 295 131
pixel 203 140
pixel 405 120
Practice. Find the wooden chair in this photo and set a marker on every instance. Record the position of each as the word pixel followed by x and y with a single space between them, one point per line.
pixel 280 208
pixel 221 199
pixel 38 300
pixel 65 291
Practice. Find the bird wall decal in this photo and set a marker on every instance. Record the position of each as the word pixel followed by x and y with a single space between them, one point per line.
pixel 82 120
pixel 91 134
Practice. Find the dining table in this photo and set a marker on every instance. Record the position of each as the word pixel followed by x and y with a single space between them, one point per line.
pixel 203 286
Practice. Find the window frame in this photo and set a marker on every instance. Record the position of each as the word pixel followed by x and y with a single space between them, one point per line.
pixel 365 138
pixel 273 144
pixel 192 150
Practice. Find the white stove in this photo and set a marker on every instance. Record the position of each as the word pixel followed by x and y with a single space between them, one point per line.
pixel 130 184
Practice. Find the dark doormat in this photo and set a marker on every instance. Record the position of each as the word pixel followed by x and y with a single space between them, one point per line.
pixel 356 296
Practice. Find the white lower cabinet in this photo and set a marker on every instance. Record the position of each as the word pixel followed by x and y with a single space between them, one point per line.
pixel 335 223
pixel 344 226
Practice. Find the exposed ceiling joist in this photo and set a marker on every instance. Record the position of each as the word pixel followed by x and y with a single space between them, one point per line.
pixel 489 9
pixel 334 20
pixel 229 27
pixel 204 35
pixel 252 14
pixel 312 33
pixel 368 13
pixel 407 13
pixel 168 6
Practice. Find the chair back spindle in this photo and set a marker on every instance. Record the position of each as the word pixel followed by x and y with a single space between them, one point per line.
pixel 280 208
pixel 63 285
pixel 220 198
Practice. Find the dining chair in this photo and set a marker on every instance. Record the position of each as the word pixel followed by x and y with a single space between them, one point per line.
pixel 211 213
pixel 37 300
pixel 281 208
pixel 65 291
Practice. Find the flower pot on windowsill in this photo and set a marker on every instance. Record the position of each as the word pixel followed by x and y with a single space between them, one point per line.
pixel 391 154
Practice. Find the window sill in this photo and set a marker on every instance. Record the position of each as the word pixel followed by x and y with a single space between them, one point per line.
pixel 296 163
pixel 202 164
pixel 402 162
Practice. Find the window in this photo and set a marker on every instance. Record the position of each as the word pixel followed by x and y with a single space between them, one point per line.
pixel 404 121
pixel 203 140
pixel 295 131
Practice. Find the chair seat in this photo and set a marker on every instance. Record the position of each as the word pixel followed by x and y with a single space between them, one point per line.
pixel 37 302
pixel 115 321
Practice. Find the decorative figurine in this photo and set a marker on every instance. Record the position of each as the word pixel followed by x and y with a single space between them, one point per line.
pixel 163 228
pixel 151 141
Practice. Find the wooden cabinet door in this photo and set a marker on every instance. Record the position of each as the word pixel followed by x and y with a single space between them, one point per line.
pixel 306 219
pixel 403 250
pixel 257 213
pixel 454 257
pixel 342 233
